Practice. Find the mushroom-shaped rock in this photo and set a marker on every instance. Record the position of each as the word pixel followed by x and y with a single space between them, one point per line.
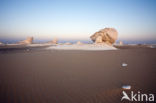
pixel 106 35
pixel 29 40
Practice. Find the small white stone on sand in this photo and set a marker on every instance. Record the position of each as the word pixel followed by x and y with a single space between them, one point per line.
pixel 124 64
pixel 152 46
pixel 126 87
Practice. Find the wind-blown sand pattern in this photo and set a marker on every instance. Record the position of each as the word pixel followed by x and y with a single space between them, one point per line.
pixel 50 76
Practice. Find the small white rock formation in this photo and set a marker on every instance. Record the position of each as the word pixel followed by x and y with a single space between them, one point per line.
pixel 67 43
pixel 124 64
pixel 79 43
pixel 106 35
pixel 1 43
pixel 29 40
pixel 120 43
pixel 126 87
pixel 54 41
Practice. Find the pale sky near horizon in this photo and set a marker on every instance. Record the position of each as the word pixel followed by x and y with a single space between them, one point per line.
pixel 77 19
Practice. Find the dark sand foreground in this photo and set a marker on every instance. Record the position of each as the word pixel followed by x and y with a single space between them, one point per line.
pixel 51 76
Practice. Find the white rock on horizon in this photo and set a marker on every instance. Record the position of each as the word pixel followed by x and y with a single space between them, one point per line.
pixel 1 43
pixel 106 35
pixel 29 40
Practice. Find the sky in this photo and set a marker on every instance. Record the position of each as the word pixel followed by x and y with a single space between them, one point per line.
pixel 134 20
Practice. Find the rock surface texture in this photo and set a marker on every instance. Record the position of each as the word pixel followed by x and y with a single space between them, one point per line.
pixel 106 35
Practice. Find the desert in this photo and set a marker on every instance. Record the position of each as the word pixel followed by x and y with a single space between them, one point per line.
pixel 75 73
pixel 77 51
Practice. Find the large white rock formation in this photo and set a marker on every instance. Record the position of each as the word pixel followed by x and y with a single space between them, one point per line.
pixel 106 35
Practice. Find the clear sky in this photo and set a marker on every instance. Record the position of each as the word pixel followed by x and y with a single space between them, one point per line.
pixel 77 19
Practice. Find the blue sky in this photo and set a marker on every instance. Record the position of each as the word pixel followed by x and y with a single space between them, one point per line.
pixel 77 19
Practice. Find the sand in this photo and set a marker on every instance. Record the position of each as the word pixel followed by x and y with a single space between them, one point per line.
pixel 38 75
pixel 93 47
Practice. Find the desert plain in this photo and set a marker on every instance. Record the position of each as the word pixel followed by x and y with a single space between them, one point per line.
pixel 40 75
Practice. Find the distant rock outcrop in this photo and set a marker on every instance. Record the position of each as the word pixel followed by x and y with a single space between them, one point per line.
pixel 67 43
pixel 120 43
pixel 54 41
pixel 1 43
pixel 79 43
pixel 29 40
pixel 106 35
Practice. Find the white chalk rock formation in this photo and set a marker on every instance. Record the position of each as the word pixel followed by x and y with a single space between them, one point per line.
pixel 120 43
pixel 99 39
pixel 29 40
pixel 1 43
pixel 67 43
pixel 106 35
pixel 79 43
pixel 54 41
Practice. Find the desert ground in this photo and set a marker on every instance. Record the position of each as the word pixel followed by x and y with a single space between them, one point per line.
pixel 36 75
